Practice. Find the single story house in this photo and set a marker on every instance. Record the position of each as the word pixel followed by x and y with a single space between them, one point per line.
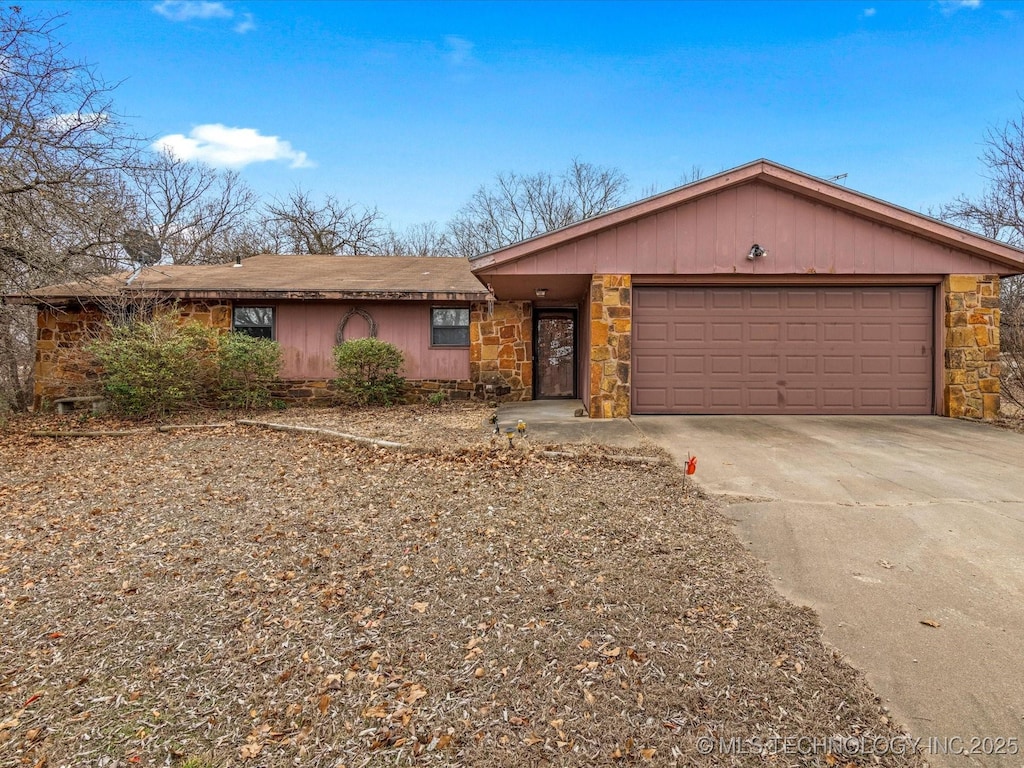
pixel 760 290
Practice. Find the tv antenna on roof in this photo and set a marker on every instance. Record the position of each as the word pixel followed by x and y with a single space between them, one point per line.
pixel 840 177
pixel 142 248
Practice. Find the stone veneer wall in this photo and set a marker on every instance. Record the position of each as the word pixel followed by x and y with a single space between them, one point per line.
pixel 216 314
pixel 971 386
pixel 611 329
pixel 322 391
pixel 62 367
pixel 501 349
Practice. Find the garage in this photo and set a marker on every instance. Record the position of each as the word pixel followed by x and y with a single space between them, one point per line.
pixel 764 290
pixel 783 350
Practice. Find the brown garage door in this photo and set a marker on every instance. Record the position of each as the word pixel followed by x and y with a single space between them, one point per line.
pixel 783 350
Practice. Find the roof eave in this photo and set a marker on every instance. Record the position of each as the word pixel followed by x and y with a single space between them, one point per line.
pixel 207 294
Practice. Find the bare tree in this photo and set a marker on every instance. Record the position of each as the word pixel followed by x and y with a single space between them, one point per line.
pixel 299 224
pixel 197 214
pixel 999 213
pixel 62 194
pixel 427 240
pixel 516 207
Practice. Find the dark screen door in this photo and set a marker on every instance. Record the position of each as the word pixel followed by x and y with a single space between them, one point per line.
pixel 556 353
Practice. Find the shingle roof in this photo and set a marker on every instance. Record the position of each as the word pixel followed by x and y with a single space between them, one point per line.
pixel 290 276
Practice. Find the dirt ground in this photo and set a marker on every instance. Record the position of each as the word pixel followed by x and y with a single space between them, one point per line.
pixel 239 596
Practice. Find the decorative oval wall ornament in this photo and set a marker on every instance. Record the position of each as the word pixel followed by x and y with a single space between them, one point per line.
pixel 371 324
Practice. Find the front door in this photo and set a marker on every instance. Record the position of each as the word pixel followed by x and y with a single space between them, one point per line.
pixel 554 353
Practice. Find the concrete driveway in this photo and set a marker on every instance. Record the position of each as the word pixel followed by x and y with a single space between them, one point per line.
pixel 879 524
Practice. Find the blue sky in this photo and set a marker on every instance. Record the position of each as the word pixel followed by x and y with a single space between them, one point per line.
pixel 411 106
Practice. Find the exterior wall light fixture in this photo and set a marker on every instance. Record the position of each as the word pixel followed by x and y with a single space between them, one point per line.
pixel 756 252
pixel 541 292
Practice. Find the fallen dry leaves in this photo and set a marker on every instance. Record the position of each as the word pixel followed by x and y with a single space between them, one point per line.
pixel 245 597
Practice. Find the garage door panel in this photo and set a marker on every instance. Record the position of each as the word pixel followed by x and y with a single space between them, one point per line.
pixel 765 300
pixel 688 364
pixel 915 333
pixel 838 398
pixel 650 364
pixel 688 331
pixel 726 364
pixel 688 398
pixel 909 366
pixel 784 350
pixel 724 332
pixel 800 300
pixel 881 333
pixel 798 397
pixel 911 300
pixel 726 397
pixel 878 299
pixel 651 331
pixel 654 298
pixel 839 300
pixel 799 364
pixel 842 364
pixel 761 364
pixel 762 331
pixel 876 398
pixel 801 332
pixel 875 365
pixel 725 299
pixel 767 397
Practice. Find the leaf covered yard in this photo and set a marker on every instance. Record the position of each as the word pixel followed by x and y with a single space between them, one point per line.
pixel 237 596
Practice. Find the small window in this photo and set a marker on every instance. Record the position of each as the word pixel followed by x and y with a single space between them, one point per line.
pixel 254 321
pixel 449 327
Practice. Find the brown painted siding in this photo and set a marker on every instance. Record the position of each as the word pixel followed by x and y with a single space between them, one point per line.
pixel 307 333
pixel 712 235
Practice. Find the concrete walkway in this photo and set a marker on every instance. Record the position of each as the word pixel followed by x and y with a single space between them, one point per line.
pixel 880 524
pixel 554 421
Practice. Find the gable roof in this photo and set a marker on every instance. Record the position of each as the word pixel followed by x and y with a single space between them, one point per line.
pixel 275 276
pixel 1009 258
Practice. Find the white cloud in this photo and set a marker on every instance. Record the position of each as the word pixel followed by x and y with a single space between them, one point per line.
pixel 949 7
pixel 247 24
pixel 869 12
pixel 223 146
pixel 186 10
pixel 458 50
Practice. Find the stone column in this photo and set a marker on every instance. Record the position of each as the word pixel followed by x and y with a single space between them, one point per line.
pixel 611 329
pixel 971 377
pixel 501 349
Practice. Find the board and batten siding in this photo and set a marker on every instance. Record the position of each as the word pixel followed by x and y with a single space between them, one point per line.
pixel 712 235
pixel 307 332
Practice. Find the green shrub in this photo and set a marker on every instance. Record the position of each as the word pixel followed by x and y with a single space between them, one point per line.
pixel 155 367
pixel 369 371
pixel 246 366
pixel 438 398
pixel 158 366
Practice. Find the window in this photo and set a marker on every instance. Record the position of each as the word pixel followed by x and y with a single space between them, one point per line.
pixel 449 327
pixel 254 321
